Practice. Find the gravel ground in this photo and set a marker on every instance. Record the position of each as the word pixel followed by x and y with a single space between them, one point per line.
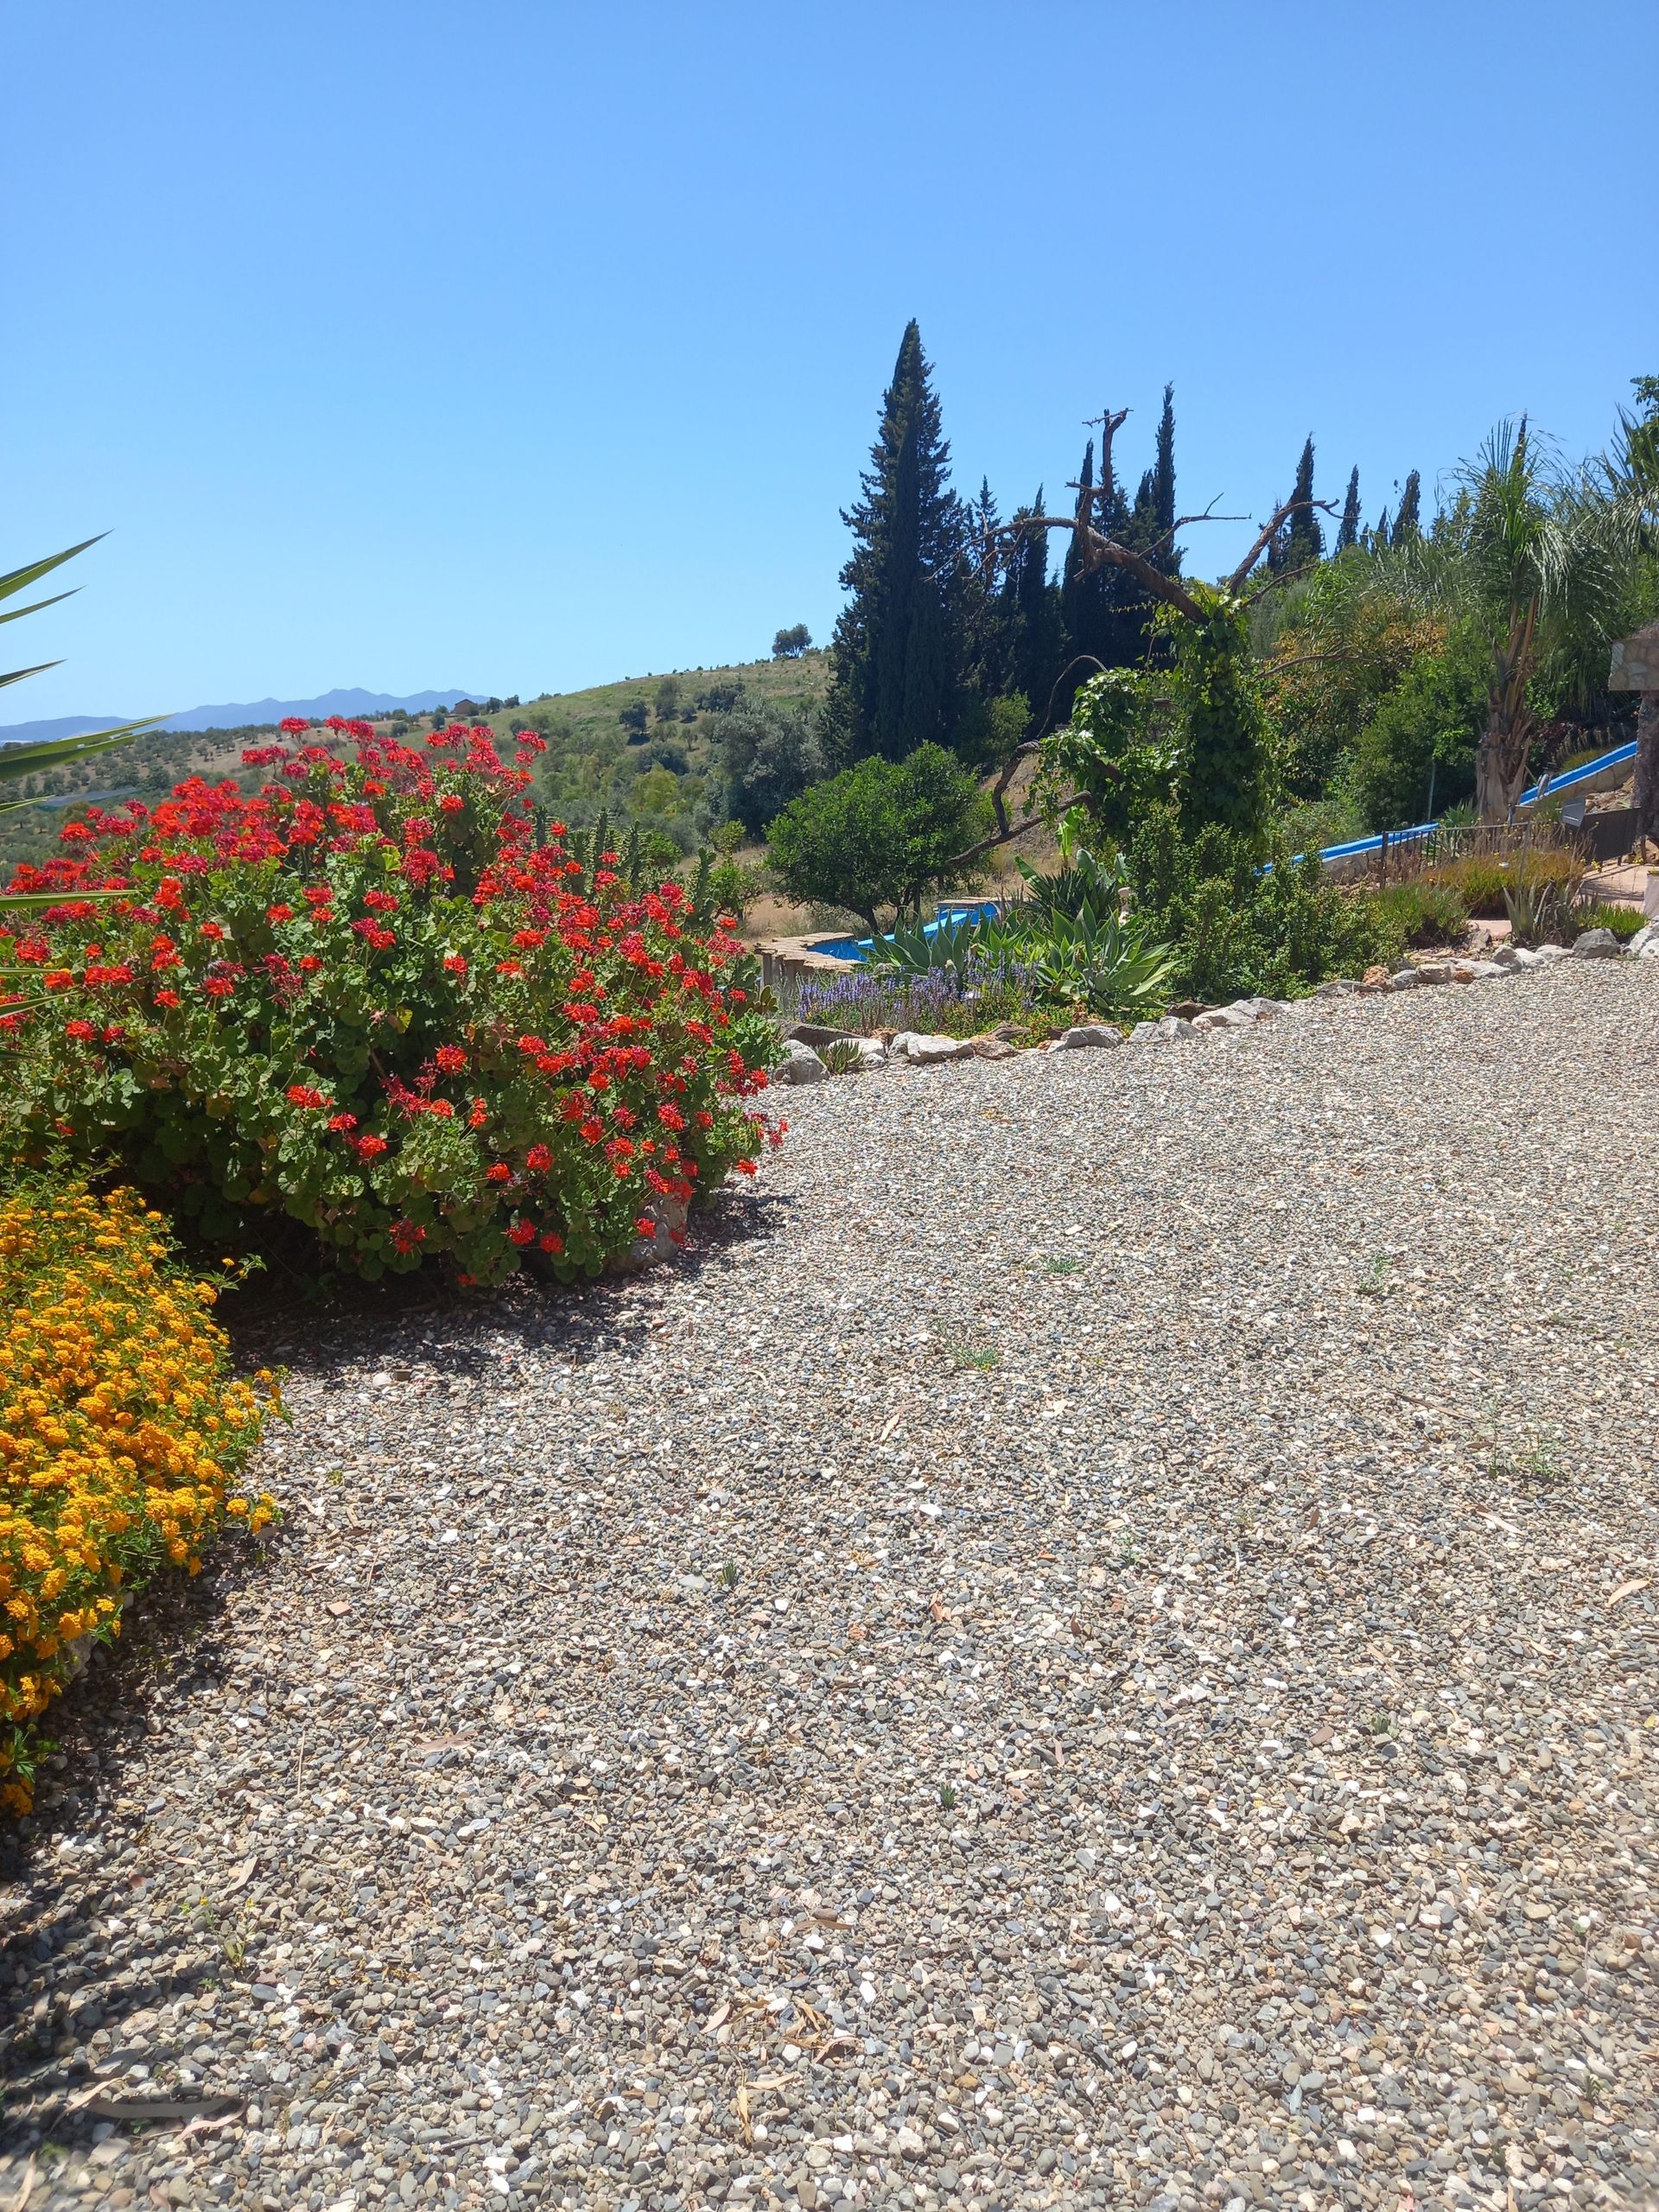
pixel 1095 1644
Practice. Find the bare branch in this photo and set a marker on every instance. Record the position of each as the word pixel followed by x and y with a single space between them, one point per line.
pixel 1097 551
pixel 1185 522
pixel 1003 834
pixel 1054 692
pixel 1236 581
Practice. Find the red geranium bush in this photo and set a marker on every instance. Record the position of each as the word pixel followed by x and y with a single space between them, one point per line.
pixel 383 997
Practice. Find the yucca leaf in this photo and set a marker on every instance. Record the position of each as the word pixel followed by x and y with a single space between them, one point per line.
pixel 16 613
pixel 40 667
pixel 17 902
pixel 20 579
pixel 17 760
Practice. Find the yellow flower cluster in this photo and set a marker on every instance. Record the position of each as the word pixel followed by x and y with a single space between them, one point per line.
pixel 122 1437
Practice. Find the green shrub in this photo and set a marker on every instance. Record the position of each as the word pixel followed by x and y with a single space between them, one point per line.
pixel 1241 929
pixel 372 999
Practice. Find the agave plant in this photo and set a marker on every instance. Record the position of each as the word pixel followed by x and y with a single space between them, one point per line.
pixel 1100 961
pixel 915 950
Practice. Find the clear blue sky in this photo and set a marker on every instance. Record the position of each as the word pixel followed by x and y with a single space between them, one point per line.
pixel 525 344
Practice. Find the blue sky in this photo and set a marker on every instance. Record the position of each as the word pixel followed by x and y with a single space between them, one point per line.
pixel 524 346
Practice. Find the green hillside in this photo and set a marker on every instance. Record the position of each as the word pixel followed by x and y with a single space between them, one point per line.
pixel 664 774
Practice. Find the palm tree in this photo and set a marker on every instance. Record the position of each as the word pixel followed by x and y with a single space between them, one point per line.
pixel 1538 560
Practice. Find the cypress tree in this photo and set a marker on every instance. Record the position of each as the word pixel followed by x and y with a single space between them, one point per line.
pixel 1039 628
pixel 1304 539
pixel 1407 523
pixel 1348 529
pixel 1162 488
pixel 896 657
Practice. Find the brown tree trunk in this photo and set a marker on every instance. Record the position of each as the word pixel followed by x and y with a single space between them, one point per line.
pixel 1500 773
pixel 1646 794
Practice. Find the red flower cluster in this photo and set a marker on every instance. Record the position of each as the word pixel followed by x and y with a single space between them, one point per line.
pixel 375 994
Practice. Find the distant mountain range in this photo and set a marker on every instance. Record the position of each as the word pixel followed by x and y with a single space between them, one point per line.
pixel 354 703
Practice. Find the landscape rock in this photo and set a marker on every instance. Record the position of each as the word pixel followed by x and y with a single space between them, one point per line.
pixel 1595 944
pixel 1088 1034
pixel 1224 1017
pixel 1550 953
pixel 1433 971
pixel 800 1064
pixel 925 1050
pixel 1339 987
pixel 1173 1028
pixel 1406 979
pixel 813 1033
pixel 1647 936
pixel 994 1048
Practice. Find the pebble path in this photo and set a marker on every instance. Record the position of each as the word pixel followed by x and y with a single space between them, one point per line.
pixel 1097 1643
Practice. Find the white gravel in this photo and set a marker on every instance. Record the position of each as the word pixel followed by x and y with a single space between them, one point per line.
pixel 1182 1731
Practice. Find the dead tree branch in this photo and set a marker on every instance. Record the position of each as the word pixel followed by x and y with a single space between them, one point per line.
pixel 1269 531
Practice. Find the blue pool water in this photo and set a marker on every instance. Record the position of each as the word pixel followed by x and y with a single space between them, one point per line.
pixel 858 948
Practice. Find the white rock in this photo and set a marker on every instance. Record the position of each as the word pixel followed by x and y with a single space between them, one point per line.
pixel 1085 1034
pixel 800 1064
pixel 1595 944
pixel 1525 956
pixel 1548 953
pixel 908 2142
pixel 1646 938
pixel 1224 1017
pixel 1484 970
pixel 1257 1009
pixel 923 1051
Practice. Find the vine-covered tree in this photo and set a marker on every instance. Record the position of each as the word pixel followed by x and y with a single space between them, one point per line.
pixel 896 657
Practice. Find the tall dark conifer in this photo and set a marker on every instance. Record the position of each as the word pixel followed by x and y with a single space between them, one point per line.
pixel 1304 539
pixel 1039 628
pixel 1348 528
pixel 1408 522
pixel 896 657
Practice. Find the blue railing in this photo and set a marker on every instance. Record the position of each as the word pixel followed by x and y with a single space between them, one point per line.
pixel 1551 786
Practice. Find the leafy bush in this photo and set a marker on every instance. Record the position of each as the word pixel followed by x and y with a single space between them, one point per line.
pixel 769 754
pixel 371 999
pixel 1422 735
pixel 1424 913
pixel 1241 929
pixel 876 836
pixel 122 1438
